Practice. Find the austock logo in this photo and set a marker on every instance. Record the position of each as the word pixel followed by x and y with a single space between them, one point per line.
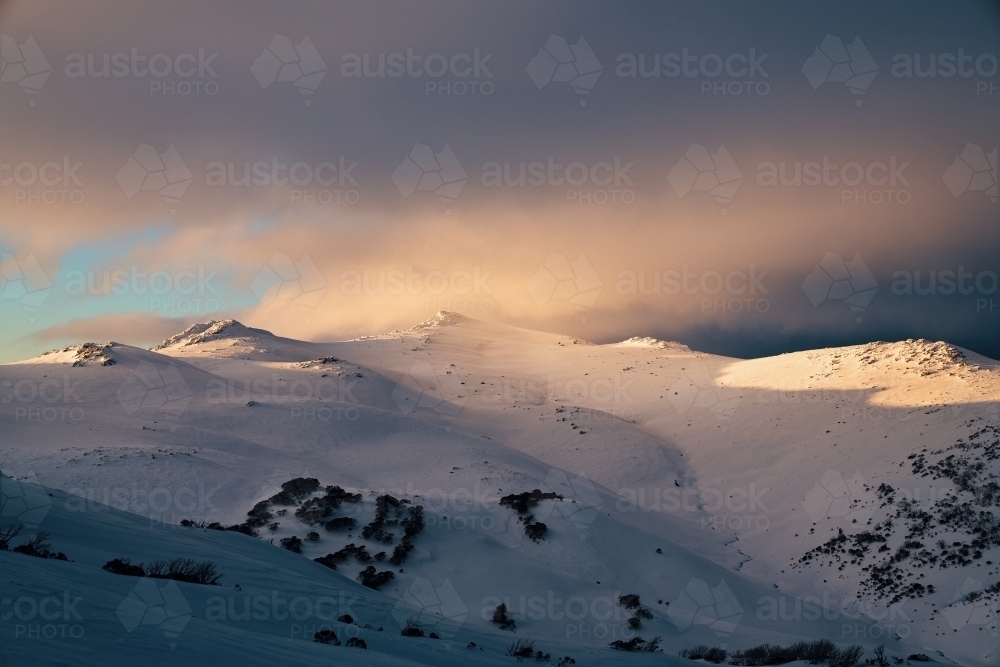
pixel 23 64
pixel 437 609
pixel 23 281
pixel 837 497
pixel 149 170
pixel 836 280
pixel 699 388
pixel 23 504
pixel 701 171
pixel 701 604
pixel 184 74
pixel 835 62
pixel 440 173
pixel 284 62
pixel 580 502
pixel 163 606
pixel 429 388
pixel 160 388
pixel 285 280
pixel 559 62
pixel 968 607
pixel 974 170
pixel 561 280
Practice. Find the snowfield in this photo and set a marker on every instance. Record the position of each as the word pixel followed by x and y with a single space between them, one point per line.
pixel 847 494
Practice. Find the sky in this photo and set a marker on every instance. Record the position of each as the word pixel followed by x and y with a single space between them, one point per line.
pixel 745 178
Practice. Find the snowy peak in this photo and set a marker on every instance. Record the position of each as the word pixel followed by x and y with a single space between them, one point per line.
pixel 920 355
pixel 213 331
pixel 443 318
pixel 80 355
pixel 649 341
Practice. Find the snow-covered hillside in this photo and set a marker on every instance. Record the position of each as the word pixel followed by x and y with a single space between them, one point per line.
pixel 847 494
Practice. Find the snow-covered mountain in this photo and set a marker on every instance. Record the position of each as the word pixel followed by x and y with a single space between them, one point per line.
pixel 847 494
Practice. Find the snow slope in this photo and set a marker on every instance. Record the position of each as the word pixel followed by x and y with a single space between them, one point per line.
pixel 733 469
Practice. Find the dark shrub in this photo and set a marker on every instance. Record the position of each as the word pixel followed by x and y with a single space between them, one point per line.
pixel 400 552
pixel 293 544
pixel 8 531
pixel 356 642
pixel 523 502
pixel 629 601
pixel 346 618
pixel 338 495
pixel 326 637
pixel 521 648
pixel 375 580
pixel 312 537
pixel 125 567
pixel 184 569
pixel 295 490
pixel 412 628
pixel 341 523
pixel 817 651
pixel 245 529
pixel 384 506
pixel 328 560
pixel 315 510
pixel 715 655
pixel 259 515
pixel 637 643
pixel 535 531
pixel 501 618
pixel 39 547
pixel 847 657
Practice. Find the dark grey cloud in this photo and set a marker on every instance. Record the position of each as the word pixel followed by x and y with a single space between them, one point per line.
pixel 750 90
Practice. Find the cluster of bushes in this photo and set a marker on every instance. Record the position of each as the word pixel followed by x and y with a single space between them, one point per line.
pixel 637 643
pixel 522 504
pixel 707 653
pixel 412 526
pixel 374 580
pixel 330 637
pixel 293 544
pixel 245 528
pixel 321 509
pixel 37 546
pixel 326 637
pixel 389 511
pixel 375 530
pixel 294 490
pixel 631 602
pixel 341 524
pixel 178 569
pixel 814 652
pixel 523 649
pixel 360 554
